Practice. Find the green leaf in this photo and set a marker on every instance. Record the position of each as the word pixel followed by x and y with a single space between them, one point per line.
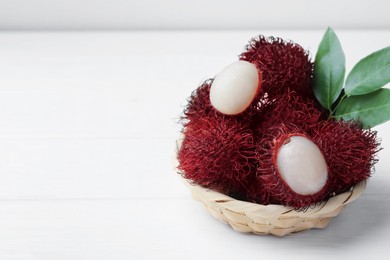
pixel 369 74
pixel 370 109
pixel 329 69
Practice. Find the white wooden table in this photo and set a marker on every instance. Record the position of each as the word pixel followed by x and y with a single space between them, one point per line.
pixel 87 130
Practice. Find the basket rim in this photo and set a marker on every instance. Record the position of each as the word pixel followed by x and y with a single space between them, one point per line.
pixel 326 206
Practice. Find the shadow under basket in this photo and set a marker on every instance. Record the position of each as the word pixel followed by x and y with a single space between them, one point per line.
pixel 272 219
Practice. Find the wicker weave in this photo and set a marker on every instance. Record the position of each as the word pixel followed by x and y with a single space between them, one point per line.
pixel 277 220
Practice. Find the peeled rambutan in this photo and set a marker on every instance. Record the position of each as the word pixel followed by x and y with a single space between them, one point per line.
pixel 199 106
pixel 219 154
pixel 284 65
pixel 350 152
pixel 298 177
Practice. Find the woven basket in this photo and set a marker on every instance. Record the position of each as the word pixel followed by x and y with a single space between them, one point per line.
pixel 272 219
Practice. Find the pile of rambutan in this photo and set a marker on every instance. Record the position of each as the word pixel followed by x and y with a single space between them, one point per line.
pixel 260 132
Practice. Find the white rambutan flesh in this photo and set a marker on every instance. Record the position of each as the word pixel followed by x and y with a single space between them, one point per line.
pixel 235 87
pixel 302 165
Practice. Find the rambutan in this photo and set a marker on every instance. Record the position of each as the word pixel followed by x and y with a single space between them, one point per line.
pixel 284 65
pixel 291 109
pixel 350 152
pixel 219 154
pixel 278 177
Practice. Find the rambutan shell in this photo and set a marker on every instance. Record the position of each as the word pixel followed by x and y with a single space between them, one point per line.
pixel 198 105
pixel 218 154
pixel 350 152
pixel 285 65
pixel 291 109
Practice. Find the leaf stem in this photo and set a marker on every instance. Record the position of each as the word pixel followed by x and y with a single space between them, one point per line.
pixel 335 109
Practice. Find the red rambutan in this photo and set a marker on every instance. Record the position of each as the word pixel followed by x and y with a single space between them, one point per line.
pixel 219 154
pixel 284 65
pixel 291 109
pixel 350 152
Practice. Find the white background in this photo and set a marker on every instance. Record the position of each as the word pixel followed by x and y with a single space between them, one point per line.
pixel 88 124
pixel 187 14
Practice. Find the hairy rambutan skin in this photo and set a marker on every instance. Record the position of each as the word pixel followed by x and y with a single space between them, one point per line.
pixel 350 152
pixel 199 105
pixel 291 109
pixel 284 65
pixel 268 178
pixel 218 154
